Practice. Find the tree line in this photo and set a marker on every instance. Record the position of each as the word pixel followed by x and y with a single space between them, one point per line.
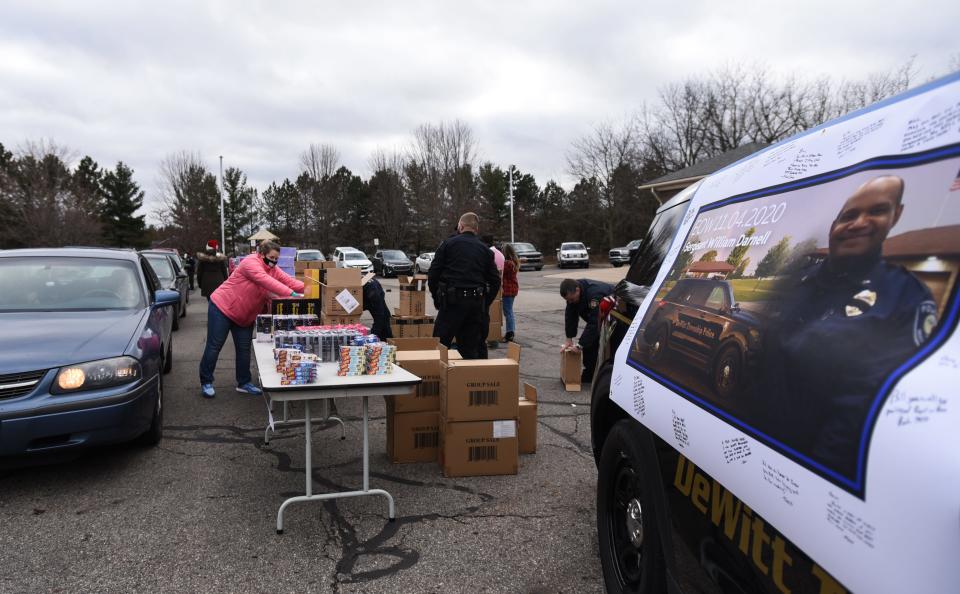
pixel 413 196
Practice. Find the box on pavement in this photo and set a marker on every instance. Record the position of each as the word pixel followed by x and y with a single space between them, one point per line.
pixel 425 395
pixel 341 293
pixel 413 295
pixel 415 344
pixel 495 331
pixel 527 430
pixel 571 363
pixel 496 311
pixel 411 327
pixel 478 448
pixel 480 389
pixel 412 436
pixel 294 306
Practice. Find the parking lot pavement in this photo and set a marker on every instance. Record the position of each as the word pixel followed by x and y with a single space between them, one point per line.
pixel 198 512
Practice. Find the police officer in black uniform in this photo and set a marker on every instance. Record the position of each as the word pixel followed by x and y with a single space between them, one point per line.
pixel 849 321
pixel 583 299
pixel 464 281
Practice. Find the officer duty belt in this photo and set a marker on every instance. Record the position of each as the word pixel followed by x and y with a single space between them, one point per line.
pixel 467 292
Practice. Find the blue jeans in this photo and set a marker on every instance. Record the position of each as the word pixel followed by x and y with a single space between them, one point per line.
pixel 508 313
pixel 218 325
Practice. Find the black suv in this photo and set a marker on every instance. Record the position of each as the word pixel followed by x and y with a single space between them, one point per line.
pixel 391 263
pixel 699 320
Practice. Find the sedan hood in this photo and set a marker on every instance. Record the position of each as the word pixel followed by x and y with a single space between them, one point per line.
pixel 41 340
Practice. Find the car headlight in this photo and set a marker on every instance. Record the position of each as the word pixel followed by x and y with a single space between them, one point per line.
pixel 94 375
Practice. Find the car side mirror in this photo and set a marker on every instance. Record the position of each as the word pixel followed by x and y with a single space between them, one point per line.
pixel 588 249
pixel 163 298
pixel 558 249
pixel 182 275
pixel 735 308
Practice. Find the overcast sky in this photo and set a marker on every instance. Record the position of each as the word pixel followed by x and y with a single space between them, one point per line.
pixel 257 82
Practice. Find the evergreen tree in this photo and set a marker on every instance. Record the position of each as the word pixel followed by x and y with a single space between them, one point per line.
pixel 121 199
pixel 239 213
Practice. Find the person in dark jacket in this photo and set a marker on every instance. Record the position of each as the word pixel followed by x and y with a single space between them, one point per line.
pixel 463 281
pixel 211 269
pixel 583 300
pixel 374 301
pixel 191 266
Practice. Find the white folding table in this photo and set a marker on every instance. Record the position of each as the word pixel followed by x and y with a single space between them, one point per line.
pixel 328 385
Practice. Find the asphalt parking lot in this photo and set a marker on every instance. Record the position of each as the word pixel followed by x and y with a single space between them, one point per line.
pixel 197 513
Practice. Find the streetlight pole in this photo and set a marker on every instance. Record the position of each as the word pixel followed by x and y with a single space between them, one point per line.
pixel 223 238
pixel 511 204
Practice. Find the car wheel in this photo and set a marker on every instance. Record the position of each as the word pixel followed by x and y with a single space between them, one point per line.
pixel 416 269
pixel 657 349
pixel 587 265
pixel 599 401
pixel 728 371
pixel 183 311
pixel 617 264
pixel 631 554
pixel 176 317
pixel 154 433
pixel 168 357
pixel 539 268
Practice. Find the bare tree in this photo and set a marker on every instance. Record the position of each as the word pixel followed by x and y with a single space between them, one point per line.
pixel 190 199
pixel 443 158
pixel 320 161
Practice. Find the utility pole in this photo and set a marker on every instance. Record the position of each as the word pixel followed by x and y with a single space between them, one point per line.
pixel 223 238
pixel 511 204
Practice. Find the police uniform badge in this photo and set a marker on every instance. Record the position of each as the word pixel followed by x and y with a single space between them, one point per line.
pixel 925 323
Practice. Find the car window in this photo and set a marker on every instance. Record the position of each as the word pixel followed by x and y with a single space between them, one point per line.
pixel 715 299
pixel 37 283
pixel 355 256
pixel 153 283
pixel 162 266
pixel 652 249
pixel 394 255
pixel 572 246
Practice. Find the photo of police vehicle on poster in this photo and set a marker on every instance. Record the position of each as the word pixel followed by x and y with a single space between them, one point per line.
pixel 793 313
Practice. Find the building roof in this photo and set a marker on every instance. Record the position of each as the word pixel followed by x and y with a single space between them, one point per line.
pixel 936 241
pixel 686 176
pixel 262 235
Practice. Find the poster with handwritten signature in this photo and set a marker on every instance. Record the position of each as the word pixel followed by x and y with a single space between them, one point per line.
pixel 810 307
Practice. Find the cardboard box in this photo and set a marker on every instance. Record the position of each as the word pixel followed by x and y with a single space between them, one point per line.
pixel 496 311
pixel 299 267
pixel 495 331
pixel 412 437
pixel 527 421
pixel 571 364
pixel 479 448
pixel 291 305
pixel 413 295
pixel 342 283
pixel 480 389
pixel 412 327
pixel 426 395
pixel 415 344
pixel 329 320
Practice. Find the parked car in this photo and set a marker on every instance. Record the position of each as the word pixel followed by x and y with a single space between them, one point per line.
pixel 807 458
pixel 391 263
pixel 530 258
pixel 351 258
pixel 621 255
pixel 423 261
pixel 310 255
pixel 573 253
pixel 87 336
pixel 171 277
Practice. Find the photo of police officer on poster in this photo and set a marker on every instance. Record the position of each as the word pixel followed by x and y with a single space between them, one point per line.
pixel 792 311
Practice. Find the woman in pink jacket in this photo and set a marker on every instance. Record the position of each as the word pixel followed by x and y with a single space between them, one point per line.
pixel 234 307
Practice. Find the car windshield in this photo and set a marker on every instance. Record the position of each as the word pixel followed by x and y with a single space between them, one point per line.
pixel 309 255
pixel 572 246
pixel 393 255
pixel 633 244
pixel 39 283
pixel 427 256
pixel 524 247
pixel 161 265
pixel 652 250
pixel 354 256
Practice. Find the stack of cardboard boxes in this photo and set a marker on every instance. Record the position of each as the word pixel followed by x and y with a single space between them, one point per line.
pixel 410 320
pixel 311 274
pixel 465 414
pixel 341 296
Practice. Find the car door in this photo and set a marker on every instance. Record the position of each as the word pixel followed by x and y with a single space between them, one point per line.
pixel 378 262
pixel 159 322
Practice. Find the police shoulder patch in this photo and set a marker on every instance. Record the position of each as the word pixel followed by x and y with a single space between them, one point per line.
pixel 925 323
pixel 594 303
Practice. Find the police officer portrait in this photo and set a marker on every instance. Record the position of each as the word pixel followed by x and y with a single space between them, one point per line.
pixel 794 327
pixel 463 280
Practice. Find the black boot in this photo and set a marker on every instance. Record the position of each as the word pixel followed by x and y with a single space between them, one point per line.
pixel 508 337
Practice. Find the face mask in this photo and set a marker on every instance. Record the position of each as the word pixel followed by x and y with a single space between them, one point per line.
pixel 269 262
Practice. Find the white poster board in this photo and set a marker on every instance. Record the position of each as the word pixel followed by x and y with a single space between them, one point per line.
pixel 798 344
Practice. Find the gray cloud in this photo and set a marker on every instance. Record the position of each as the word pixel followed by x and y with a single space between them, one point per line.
pixel 259 81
